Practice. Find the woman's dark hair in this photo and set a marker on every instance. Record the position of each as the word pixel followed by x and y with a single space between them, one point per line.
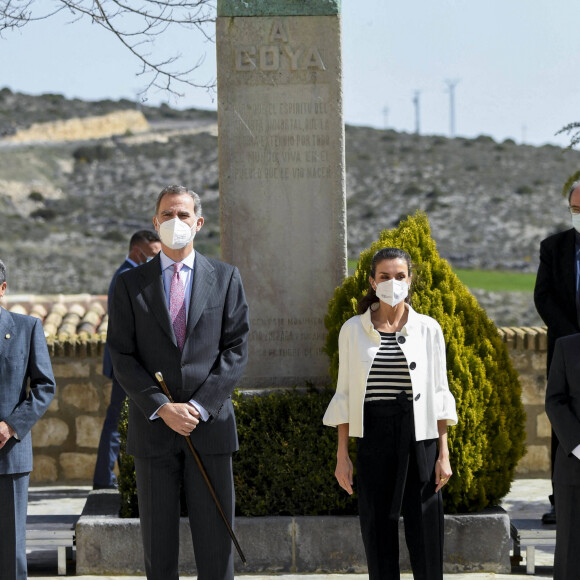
pixel 385 254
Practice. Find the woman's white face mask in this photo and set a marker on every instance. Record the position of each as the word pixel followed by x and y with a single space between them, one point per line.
pixel 392 291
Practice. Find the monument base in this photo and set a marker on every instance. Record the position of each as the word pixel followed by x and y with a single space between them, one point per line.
pixel 109 545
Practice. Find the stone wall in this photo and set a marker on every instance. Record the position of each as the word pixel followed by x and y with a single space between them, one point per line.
pixel 527 348
pixel 66 439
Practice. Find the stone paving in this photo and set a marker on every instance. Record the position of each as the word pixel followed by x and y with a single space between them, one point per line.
pixel 526 502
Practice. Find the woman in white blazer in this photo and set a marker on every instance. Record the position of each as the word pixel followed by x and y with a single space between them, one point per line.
pixel 392 394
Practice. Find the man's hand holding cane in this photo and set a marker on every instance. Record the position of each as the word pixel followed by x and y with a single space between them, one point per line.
pixel 183 418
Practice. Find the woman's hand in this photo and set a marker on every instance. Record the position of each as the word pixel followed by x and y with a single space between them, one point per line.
pixel 442 472
pixel 343 472
pixel 442 467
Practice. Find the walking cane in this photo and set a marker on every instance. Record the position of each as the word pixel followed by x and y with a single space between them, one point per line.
pixel 197 458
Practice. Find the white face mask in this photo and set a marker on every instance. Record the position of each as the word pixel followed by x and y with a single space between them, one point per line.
pixel 176 234
pixel 576 221
pixel 392 291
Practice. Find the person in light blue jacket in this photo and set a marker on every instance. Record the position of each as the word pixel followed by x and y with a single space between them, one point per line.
pixel 392 394
pixel 26 389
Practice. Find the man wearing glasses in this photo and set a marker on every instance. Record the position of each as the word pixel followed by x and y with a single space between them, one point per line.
pixel 557 293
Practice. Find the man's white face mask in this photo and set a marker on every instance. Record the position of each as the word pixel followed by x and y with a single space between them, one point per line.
pixel 176 234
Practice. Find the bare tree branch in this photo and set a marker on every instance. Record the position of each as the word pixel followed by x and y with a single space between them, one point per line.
pixel 17 13
pixel 136 25
pixel 573 131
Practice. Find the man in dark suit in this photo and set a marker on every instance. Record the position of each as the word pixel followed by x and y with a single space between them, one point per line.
pixel 557 293
pixel 144 245
pixel 187 317
pixel 24 362
pixel 563 409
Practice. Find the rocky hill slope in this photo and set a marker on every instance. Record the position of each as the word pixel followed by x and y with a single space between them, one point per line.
pixel 68 209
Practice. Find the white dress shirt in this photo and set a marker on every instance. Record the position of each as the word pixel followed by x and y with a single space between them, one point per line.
pixel 186 276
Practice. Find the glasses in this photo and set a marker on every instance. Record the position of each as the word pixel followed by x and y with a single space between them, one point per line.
pixel 574 209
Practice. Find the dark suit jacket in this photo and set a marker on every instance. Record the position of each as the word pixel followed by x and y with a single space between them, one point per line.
pixel 23 357
pixel 141 341
pixel 107 362
pixel 555 291
pixel 563 407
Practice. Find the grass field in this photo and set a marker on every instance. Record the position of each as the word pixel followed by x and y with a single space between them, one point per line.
pixel 497 281
pixel 491 280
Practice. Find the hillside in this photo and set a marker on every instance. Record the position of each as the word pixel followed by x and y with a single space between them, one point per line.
pixel 68 209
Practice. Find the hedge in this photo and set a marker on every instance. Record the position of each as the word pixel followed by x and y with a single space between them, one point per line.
pixel 286 461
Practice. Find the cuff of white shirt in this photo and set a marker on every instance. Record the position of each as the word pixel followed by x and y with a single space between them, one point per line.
pixel 14 434
pixel 155 415
pixel 576 451
pixel 204 415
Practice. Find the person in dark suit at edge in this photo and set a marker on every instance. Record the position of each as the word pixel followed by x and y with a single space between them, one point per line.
pixel 557 295
pixel 563 409
pixel 27 387
pixel 144 245
pixel 186 316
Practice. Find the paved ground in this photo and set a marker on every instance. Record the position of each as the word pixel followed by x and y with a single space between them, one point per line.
pixel 525 503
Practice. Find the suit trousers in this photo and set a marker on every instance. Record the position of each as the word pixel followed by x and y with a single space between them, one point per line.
pixel 110 441
pixel 380 472
pixel 158 491
pixel 567 554
pixel 13 506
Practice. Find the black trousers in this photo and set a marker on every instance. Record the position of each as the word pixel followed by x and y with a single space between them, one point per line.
pixel 389 462
pixel 567 554
pixel 158 490
pixel 13 507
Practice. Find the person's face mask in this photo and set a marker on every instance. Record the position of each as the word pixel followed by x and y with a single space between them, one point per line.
pixel 392 291
pixel 144 257
pixel 176 234
pixel 576 221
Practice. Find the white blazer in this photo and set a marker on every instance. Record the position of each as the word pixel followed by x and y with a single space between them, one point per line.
pixel 421 340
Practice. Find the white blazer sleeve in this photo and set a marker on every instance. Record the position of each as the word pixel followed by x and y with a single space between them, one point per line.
pixel 444 400
pixel 337 411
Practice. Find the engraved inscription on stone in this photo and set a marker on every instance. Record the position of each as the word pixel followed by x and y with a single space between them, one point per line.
pixel 288 337
pixel 270 57
pixel 282 140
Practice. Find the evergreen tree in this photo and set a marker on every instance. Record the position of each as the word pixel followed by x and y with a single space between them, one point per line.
pixel 488 441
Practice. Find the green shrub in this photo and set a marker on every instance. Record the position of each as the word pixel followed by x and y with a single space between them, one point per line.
pixel 524 190
pixel 286 461
pixel 127 485
pixel 287 456
pixel 91 153
pixel 44 213
pixel 574 177
pixel 35 196
pixel 412 190
pixel 488 441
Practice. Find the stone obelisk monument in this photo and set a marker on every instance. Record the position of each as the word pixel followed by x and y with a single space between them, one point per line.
pixel 282 178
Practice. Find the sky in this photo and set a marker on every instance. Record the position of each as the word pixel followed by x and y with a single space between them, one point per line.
pixel 514 64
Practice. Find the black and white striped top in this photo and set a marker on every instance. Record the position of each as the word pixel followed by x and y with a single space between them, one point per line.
pixel 389 374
